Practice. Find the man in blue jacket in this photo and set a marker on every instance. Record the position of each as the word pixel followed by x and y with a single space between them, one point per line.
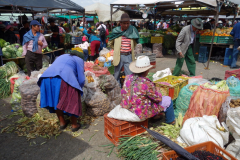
pixel 236 36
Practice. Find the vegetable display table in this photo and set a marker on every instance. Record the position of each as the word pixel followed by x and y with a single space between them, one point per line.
pixel 51 54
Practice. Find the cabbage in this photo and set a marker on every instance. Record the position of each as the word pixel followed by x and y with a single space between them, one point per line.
pixel 2 42
pixel 6 44
pixel 10 49
pixel 19 54
pixel 7 54
pixel 16 45
pixel 20 49
pixel 4 49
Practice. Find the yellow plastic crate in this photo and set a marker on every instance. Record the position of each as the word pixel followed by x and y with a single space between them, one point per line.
pixel 173 90
pixel 157 39
pixel 78 49
pixel 89 50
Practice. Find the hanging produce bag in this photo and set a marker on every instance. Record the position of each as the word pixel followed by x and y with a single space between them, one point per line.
pixel 207 100
pixel 234 86
pixel 183 99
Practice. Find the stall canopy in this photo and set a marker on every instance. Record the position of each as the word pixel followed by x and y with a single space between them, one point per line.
pixel 102 11
pixel 42 5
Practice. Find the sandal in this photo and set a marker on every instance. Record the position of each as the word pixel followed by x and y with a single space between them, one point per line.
pixel 65 126
pixel 76 129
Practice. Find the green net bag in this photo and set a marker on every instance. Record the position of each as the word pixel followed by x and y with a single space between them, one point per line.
pixel 183 99
pixel 234 86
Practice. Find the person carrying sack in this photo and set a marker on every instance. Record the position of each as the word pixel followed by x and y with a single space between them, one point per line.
pixel 123 40
pixel 33 43
pixel 184 47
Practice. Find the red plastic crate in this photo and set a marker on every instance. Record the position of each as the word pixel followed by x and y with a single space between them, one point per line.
pixel 115 129
pixel 154 64
pixel 235 73
pixel 205 146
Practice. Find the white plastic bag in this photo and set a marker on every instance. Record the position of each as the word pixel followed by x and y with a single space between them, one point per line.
pixel 102 59
pixel 198 81
pixel 233 148
pixel 91 84
pixel 202 129
pixel 123 114
pixel 161 74
pixel 104 51
pixel 233 119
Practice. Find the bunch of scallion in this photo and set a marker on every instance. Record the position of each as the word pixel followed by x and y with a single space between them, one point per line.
pixel 137 148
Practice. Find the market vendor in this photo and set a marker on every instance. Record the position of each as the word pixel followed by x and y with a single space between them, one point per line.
pixel 140 96
pixel 24 30
pixel 236 37
pixel 9 35
pixel 2 30
pixel 95 43
pixel 33 43
pixel 61 88
pixel 184 47
pixel 123 40
pixel 55 39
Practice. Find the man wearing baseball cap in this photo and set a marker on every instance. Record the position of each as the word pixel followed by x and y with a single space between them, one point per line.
pixel 184 47
pixel 33 43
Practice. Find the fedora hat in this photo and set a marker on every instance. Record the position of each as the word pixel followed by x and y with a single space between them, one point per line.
pixel 125 17
pixel 197 23
pixel 142 64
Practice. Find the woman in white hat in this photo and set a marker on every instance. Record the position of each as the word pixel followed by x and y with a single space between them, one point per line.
pixel 140 96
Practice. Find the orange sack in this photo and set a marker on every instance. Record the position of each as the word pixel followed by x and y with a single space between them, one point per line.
pixel 205 101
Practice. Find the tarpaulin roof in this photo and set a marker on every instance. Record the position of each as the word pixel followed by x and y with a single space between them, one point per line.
pixel 38 4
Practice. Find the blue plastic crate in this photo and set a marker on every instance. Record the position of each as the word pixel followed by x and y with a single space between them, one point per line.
pixel 203 50
pixel 228 57
pixel 203 59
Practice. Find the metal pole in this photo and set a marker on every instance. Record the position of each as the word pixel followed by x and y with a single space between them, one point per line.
pixel 111 11
pixel 154 19
pixel 210 53
pixel 84 19
pixel 32 13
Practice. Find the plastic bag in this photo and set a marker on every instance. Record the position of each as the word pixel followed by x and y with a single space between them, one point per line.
pixel 205 101
pixel 233 148
pixel 202 129
pixel 91 81
pixel 234 86
pixel 161 74
pixel 138 49
pixel 198 81
pixel 157 49
pixel 147 50
pixel 97 102
pixel 16 96
pixel 84 94
pixel 114 95
pixel 102 59
pixel 222 116
pixel 233 119
pixel 183 99
pixel 34 74
pixel 107 81
pixel 45 61
pixel 29 95
pixel 123 114
pixel 103 52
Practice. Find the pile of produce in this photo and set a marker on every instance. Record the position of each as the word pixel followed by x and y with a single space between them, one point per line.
pixel 90 78
pixel 67 39
pixel 203 155
pixel 2 42
pixel 12 51
pixel 138 148
pixel 4 88
pixel 234 103
pixel 176 28
pixel 219 32
pixel 50 48
pixel 7 70
pixel 220 86
pixel 193 88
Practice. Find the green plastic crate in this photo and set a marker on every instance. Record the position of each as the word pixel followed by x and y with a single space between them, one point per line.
pixel 207 39
pixel 141 40
pixel 225 40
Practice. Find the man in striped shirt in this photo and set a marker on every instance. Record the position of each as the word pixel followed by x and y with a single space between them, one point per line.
pixel 123 40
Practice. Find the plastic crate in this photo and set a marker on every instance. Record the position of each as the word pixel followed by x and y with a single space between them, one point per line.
pixel 207 39
pixel 157 39
pixel 235 73
pixel 206 146
pixel 171 91
pixel 115 129
pixel 151 56
pixel 141 40
pixel 225 39
pixel 76 40
pixel 154 64
pixel 203 54
pixel 202 59
pixel 228 57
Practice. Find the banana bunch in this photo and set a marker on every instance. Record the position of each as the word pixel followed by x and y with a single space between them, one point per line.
pixel 90 79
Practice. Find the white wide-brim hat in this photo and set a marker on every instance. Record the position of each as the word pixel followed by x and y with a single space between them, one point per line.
pixel 142 64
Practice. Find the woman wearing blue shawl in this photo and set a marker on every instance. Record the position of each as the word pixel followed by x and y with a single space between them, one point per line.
pixel 61 88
